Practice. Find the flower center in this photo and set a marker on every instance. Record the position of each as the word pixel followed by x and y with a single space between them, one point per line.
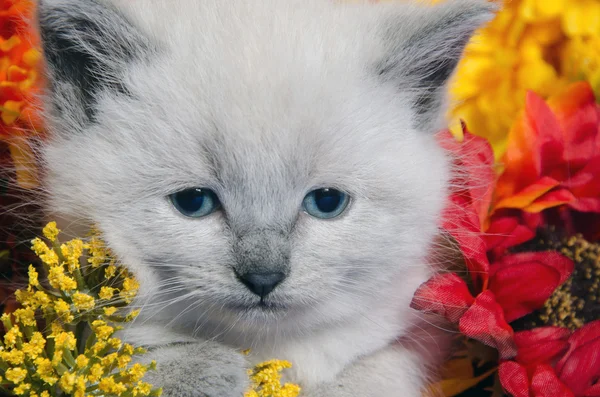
pixel 576 302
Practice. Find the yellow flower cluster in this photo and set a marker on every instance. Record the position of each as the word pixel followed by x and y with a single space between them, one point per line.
pixel 266 381
pixel 61 341
pixel 538 45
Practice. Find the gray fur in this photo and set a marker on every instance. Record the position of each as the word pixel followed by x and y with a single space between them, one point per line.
pixel 262 102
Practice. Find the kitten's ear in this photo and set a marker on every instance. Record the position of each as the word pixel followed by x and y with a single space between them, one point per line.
pixel 87 45
pixel 424 45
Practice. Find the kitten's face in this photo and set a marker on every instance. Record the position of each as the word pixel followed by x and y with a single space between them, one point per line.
pixel 260 121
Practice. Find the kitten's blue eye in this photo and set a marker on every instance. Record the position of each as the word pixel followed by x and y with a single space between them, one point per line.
pixel 325 203
pixel 195 202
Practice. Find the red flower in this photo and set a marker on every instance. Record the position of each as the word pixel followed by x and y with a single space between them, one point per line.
pixel 469 202
pixel 551 176
pixel 504 291
pixel 553 362
pixel 522 282
pixel 553 154
pixel 509 228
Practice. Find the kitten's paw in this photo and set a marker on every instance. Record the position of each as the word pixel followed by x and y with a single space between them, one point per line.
pixel 206 369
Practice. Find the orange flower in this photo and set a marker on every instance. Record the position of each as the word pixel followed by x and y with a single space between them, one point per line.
pixel 19 84
pixel 553 154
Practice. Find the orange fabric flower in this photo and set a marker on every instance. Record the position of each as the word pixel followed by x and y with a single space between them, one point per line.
pixel 553 154
pixel 19 84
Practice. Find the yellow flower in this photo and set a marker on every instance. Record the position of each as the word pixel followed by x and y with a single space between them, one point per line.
pixel 63 310
pixel 13 336
pixel 16 375
pixel 45 253
pixel 25 316
pixel 108 385
pixel 72 251
pixel 266 381
pixel 110 271
pixel 109 359
pixel 65 340
pixel 14 357
pixel 142 389
pixel 106 293
pixel 136 372
pixel 45 370
pixel 50 231
pixel 72 366
pixel 42 300
pixel 67 381
pixel 130 289
pixel 534 45
pixel 109 311
pixel 83 301
pixel 58 279
pixel 96 372
pixel 102 330
pixel 98 347
pixel 82 361
pixel 33 277
pixel 115 343
pixel 131 316
pixel 123 361
pixel 128 349
pixel 35 346
pixel 22 389
pixel 98 252
pixel 57 358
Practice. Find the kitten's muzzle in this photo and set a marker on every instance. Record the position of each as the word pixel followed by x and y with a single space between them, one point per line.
pixel 261 283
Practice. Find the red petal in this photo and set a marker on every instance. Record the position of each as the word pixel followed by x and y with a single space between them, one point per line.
pixel 541 345
pixel 469 202
pixel 577 114
pixel 523 282
pixel 580 367
pixel 463 225
pixel 446 295
pixel 545 383
pixel 593 391
pixel 514 379
pixel 485 322
pixel 505 232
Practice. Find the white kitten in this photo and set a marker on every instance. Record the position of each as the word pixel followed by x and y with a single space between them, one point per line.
pixel 268 170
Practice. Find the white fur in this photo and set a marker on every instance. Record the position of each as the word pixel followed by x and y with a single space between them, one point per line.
pixel 263 101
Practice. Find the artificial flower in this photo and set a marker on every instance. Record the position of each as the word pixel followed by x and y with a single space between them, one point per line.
pixel 20 83
pixel 553 154
pixel 519 280
pixel 552 361
pixel 504 290
pixel 535 45
pixel 59 342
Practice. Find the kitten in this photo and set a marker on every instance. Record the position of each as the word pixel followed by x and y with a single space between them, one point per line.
pixel 268 170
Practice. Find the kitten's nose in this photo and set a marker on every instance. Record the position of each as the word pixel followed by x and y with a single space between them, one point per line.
pixel 261 283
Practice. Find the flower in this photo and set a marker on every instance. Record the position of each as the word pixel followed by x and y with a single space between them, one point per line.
pixel 73 351
pixel 20 84
pixel 552 361
pixel 553 154
pixel 509 281
pixel 266 380
pixel 534 45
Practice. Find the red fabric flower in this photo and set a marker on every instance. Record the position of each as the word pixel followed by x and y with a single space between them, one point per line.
pixel 509 228
pixel 553 362
pixel 523 282
pixel 551 176
pixel 470 199
pixel 553 154
pixel 504 291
